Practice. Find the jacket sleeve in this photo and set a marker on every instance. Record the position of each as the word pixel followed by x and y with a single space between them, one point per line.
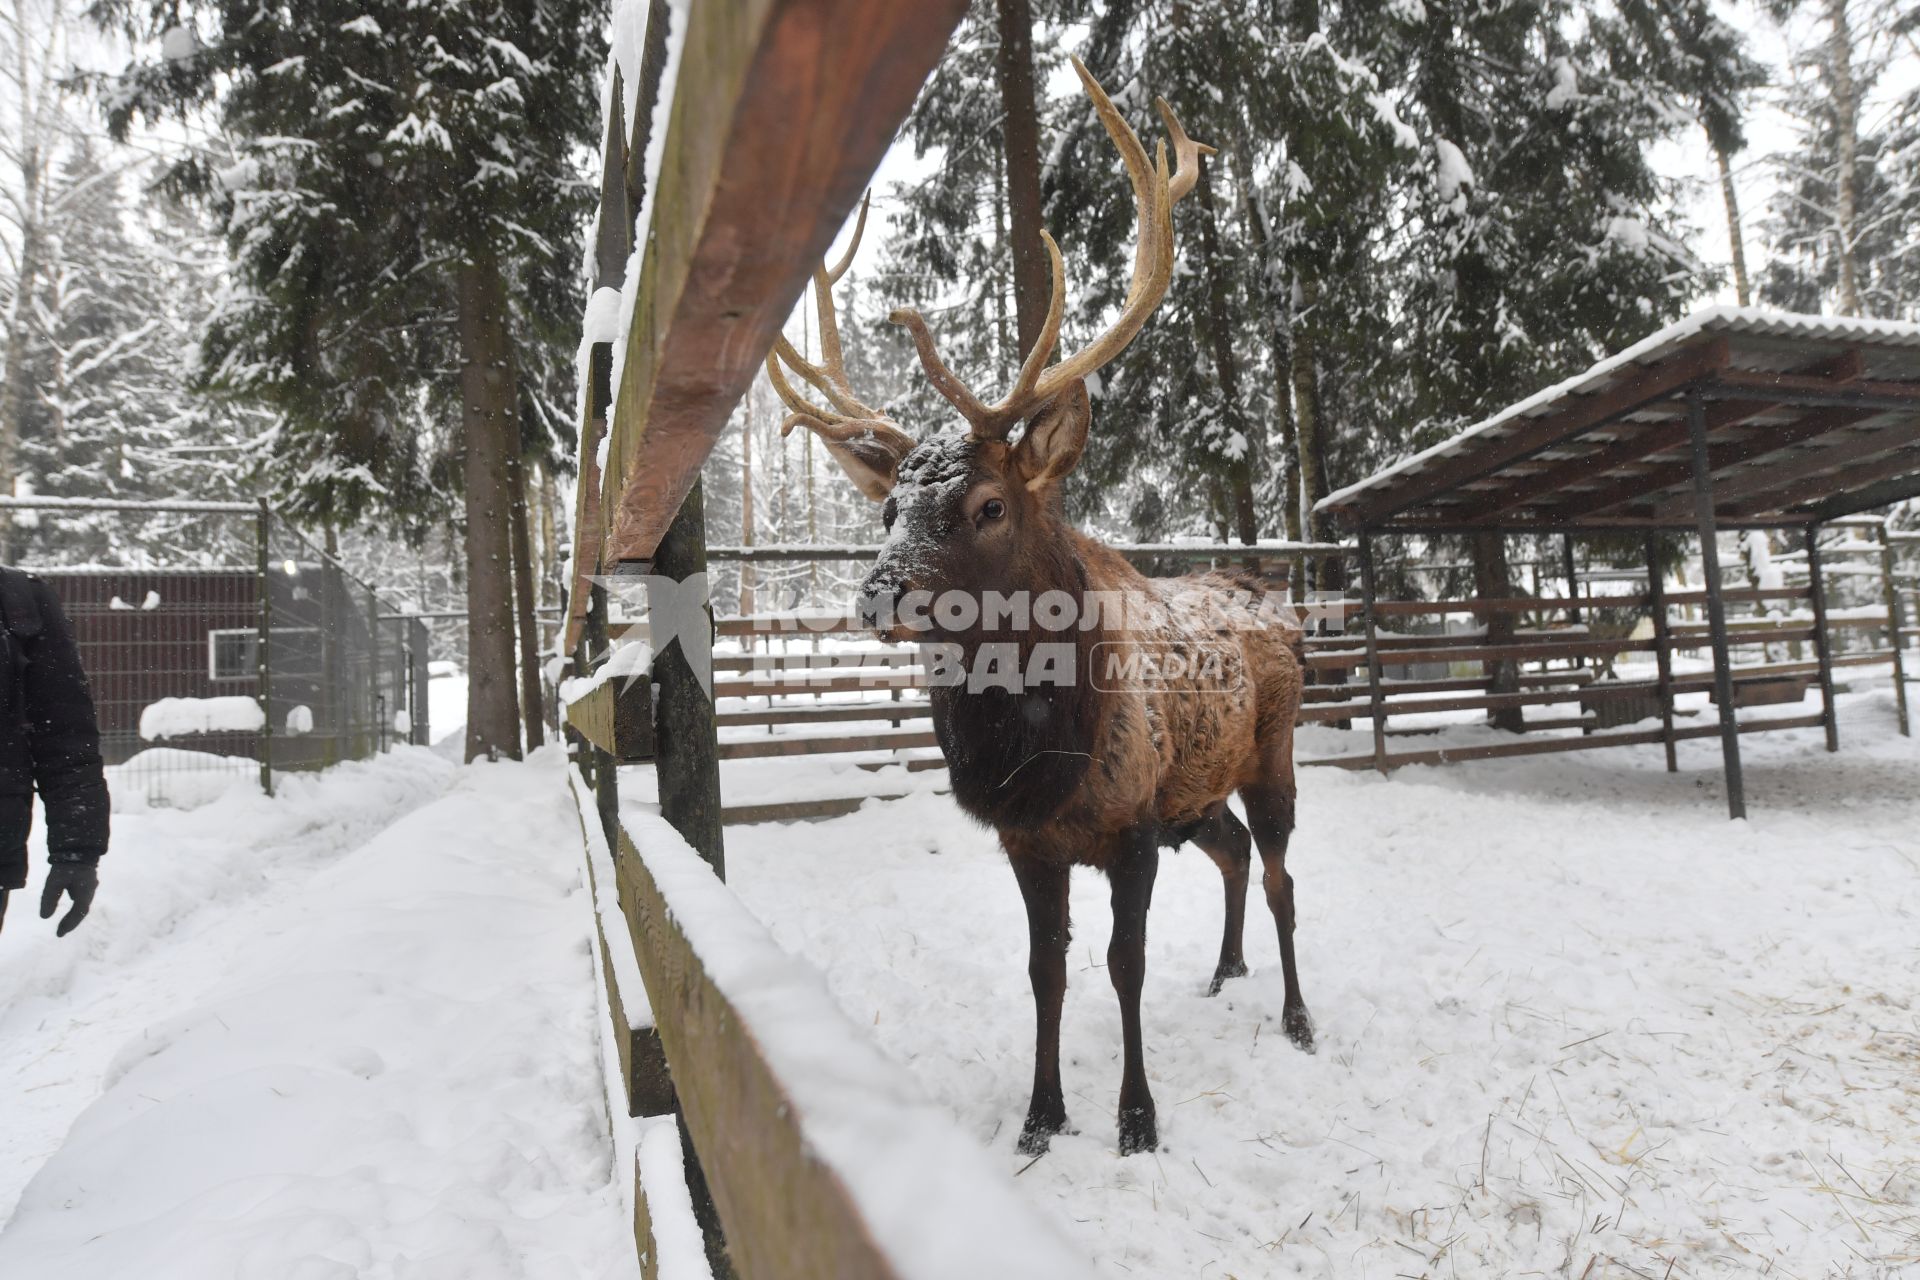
pixel 64 739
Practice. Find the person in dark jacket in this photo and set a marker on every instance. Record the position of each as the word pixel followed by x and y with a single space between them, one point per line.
pixel 50 743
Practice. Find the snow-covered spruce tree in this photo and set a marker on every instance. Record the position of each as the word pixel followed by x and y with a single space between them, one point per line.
pixel 36 123
pixel 1232 390
pixel 1695 56
pixel 1540 237
pixel 402 200
pixel 1842 224
pixel 950 255
pixel 106 366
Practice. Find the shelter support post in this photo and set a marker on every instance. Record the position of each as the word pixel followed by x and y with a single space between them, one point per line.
pixel 1822 644
pixel 263 665
pixel 1662 646
pixel 1716 605
pixel 1890 587
pixel 1573 587
pixel 1376 702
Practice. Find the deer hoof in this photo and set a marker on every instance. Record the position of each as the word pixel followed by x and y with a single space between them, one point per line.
pixel 1138 1130
pixel 1237 969
pixel 1298 1025
pixel 1038 1131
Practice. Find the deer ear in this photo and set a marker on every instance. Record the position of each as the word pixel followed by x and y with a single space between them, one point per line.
pixel 1055 436
pixel 868 449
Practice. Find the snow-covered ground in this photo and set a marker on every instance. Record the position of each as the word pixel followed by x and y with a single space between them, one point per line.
pixel 346 1032
pixel 1572 1021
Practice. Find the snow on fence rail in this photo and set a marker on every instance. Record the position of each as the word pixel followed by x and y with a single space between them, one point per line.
pixel 824 1160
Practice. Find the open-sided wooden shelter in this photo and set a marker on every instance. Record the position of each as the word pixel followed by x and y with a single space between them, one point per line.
pixel 1732 418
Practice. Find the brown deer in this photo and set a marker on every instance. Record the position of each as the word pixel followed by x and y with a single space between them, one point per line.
pixel 1068 772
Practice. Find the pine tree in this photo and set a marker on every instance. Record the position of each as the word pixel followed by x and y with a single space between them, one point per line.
pixel 402 203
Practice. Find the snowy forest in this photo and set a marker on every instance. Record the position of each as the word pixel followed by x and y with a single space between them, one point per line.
pixel 332 253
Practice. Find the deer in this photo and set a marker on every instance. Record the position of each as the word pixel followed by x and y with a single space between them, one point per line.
pixel 1066 772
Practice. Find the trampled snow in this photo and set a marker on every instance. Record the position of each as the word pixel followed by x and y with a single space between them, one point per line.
pixel 1572 1022
pixel 345 1033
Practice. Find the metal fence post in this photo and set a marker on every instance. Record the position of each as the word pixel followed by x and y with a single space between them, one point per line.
pixel 1890 587
pixel 263 660
pixel 1716 606
pixel 1662 646
pixel 1817 586
pixel 1376 704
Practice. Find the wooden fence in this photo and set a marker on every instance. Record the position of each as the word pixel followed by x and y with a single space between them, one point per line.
pixel 811 684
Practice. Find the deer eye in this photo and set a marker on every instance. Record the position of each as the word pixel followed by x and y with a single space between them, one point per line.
pixel 993 509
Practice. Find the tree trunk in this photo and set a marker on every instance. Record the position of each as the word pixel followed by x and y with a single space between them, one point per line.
pixel 532 713
pixel 1032 278
pixel 1310 427
pixel 1846 110
pixel 1736 241
pixel 488 429
pixel 1238 506
pixel 1288 464
pixel 1491 582
pixel 550 574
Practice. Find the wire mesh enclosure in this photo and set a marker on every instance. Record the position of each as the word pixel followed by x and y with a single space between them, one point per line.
pixel 220 642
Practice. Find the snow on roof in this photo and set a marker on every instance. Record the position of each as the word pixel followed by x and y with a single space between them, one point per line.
pixel 1741 321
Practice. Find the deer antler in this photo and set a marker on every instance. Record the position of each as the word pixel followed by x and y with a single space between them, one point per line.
pixel 1154 194
pixel 865 442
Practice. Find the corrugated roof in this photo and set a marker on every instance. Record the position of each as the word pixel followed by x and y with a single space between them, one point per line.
pixel 1751 322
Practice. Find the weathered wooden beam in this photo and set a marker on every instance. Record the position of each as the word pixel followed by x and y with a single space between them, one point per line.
pixel 827 713
pixel 822 1158
pixel 617 717
pixel 1803 465
pixel 1836 489
pixel 1755 442
pixel 1652 438
pixel 782 110
pixel 1531 436
pixel 1538 652
pixel 1813 389
pixel 761 748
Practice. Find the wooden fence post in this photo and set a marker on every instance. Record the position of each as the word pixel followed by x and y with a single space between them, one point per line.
pixel 688 760
pixel 687 765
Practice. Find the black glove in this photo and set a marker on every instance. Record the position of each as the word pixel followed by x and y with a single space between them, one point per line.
pixel 76 879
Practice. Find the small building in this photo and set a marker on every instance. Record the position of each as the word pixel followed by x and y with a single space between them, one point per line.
pixel 174 660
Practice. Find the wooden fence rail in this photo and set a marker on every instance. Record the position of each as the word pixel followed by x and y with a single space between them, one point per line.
pixel 865 695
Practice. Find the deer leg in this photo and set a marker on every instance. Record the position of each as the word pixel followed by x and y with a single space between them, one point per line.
pixel 1270 812
pixel 1131 874
pixel 1044 886
pixel 1225 839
